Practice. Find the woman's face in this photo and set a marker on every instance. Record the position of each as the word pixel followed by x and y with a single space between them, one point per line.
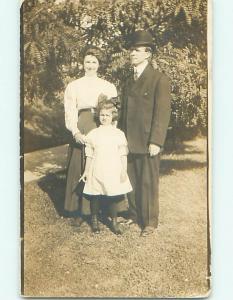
pixel 105 117
pixel 91 65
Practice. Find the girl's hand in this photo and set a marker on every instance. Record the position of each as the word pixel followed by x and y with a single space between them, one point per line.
pixel 80 138
pixel 83 178
pixel 123 176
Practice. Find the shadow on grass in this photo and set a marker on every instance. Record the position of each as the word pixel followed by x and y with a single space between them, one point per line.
pixel 168 165
pixel 54 185
pixel 181 149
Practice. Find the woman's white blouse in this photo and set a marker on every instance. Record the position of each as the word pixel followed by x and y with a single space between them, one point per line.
pixel 83 93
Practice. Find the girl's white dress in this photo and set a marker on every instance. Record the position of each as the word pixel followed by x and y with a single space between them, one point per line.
pixel 106 144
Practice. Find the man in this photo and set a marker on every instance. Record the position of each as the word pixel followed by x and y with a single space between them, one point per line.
pixel 145 119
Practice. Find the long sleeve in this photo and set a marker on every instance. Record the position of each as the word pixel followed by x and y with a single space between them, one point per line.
pixel 112 91
pixel 71 111
pixel 123 110
pixel 162 112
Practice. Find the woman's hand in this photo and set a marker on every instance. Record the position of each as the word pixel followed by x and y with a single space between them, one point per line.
pixel 80 138
pixel 123 176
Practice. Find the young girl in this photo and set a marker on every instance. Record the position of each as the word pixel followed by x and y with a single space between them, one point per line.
pixel 105 172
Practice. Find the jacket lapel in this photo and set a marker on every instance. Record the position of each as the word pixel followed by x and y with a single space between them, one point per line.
pixel 137 84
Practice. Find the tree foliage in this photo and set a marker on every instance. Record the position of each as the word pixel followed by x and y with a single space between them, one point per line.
pixel 55 32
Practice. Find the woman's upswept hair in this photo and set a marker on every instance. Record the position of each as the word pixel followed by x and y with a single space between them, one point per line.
pixel 94 51
pixel 112 104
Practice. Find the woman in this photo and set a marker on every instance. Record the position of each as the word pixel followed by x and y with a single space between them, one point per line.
pixel 80 100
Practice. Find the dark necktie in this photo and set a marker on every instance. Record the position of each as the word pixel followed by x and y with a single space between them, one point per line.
pixel 135 75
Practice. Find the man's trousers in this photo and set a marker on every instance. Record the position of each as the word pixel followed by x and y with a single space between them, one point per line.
pixel 143 172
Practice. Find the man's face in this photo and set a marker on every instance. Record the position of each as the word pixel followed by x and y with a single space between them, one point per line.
pixel 138 55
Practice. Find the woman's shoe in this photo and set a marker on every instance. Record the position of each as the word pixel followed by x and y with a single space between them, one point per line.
pixel 116 227
pixel 95 224
pixel 77 222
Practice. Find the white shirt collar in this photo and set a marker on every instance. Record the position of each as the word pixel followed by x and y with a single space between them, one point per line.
pixel 141 67
pixel 92 77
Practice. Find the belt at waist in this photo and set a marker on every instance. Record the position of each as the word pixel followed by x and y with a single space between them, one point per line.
pixel 92 110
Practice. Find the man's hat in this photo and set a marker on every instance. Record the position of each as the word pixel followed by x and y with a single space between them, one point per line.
pixel 141 38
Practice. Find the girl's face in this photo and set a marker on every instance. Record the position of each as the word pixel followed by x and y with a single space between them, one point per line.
pixel 105 117
pixel 91 65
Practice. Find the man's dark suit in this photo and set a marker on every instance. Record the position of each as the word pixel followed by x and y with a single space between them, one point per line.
pixel 145 119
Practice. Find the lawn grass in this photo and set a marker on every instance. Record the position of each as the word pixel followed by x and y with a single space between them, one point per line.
pixel 60 260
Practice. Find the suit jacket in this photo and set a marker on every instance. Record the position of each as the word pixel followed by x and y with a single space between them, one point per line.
pixel 146 110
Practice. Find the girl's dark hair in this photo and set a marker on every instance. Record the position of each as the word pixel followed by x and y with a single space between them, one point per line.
pixel 111 104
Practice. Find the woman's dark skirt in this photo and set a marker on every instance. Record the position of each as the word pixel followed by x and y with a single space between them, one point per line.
pixel 75 202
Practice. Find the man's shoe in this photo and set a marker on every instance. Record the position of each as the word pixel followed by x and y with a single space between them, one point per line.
pixel 147 231
pixel 95 224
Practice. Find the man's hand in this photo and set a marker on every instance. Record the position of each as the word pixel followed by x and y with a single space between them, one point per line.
pixel 79 137
pixel 154 149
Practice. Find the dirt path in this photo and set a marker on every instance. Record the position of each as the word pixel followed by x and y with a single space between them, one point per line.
pixel 60 261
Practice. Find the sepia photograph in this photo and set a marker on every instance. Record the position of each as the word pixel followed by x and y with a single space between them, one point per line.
pixel 115 137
